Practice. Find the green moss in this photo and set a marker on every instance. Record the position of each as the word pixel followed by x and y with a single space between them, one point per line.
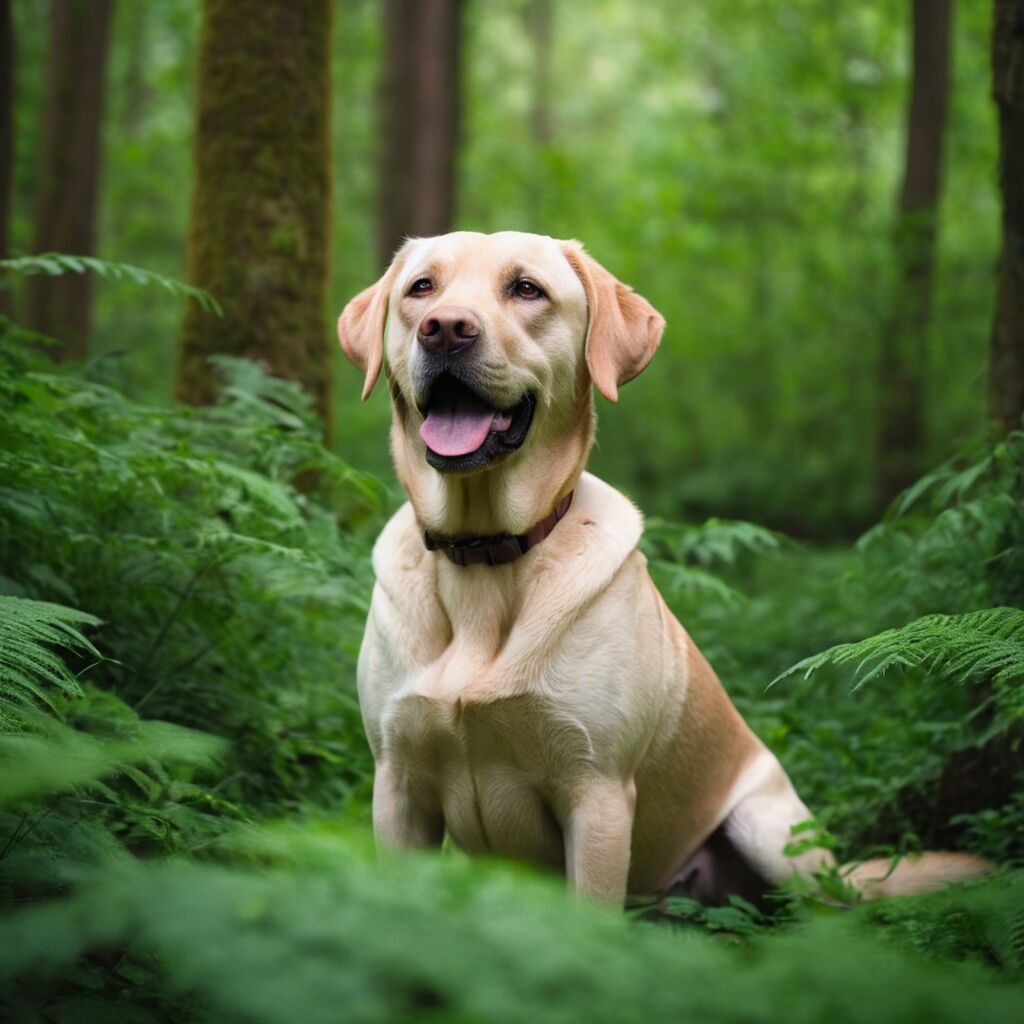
pixel 259 234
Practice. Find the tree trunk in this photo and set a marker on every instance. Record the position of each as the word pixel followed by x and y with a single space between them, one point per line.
pixel 540 24
pixel 261 218
pixel 6 139
pixel 135 91
pixel 904 351
pixel 419 120
pixel 65 208
pixel 1006 358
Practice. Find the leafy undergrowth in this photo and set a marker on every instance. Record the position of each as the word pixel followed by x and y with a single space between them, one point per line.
pixel 312 929
pixel 184 782
pixel 231 600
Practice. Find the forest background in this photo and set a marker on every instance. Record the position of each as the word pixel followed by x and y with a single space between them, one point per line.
pixel 827 447
pixel 740 167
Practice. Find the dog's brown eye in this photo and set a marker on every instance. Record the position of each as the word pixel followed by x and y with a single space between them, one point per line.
pixel 527 289
pixel 422 286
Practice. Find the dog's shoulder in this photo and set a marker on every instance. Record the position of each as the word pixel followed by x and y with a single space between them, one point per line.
pixel 587 550
pixel 605 526
pixel 399 554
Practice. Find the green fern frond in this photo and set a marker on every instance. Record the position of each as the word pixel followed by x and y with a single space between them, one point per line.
pixel 54 758
pixel 985 644
pixel 272 496
pixel 692 584
pixel 29 668
pixel 53 264
pixel 717 541
pixel 961 922
pixel 287 404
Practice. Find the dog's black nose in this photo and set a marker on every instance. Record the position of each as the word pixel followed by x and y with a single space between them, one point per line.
pixel 448 329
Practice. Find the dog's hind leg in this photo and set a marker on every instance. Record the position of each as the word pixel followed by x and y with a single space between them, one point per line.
pixel 760 824
pixel 745 855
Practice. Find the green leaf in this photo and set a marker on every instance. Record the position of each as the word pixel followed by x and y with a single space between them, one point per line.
pixel 54 264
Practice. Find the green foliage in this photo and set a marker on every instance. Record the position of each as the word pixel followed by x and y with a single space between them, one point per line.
pixel 301 924
pixel 986 645
pixel 54 757
pixel 28 667
pixel 955 540
pixel 681 557
pixel 716 541
pixel 70 757
pixel 738 165
pixel 984 923
pixel 233 600
pixel 737 917
pixel 53 264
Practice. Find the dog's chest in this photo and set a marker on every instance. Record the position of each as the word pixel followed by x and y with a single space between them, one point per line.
pixel 500 765
pixel 529 734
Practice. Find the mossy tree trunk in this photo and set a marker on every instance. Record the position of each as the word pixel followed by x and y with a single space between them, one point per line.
pixel 136 95
pixel 419 107
pixel 1006 360
pixel 903 362
pixel 69 169
pixel 261 207
pixel 6 138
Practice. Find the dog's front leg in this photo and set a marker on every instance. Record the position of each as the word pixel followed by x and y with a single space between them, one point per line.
pixel 598 831
pixel 402 816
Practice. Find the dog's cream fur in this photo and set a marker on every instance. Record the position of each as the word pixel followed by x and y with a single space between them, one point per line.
pixel 553 709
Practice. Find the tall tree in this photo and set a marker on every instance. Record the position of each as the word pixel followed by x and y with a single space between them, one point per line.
pixel 69 168
pixel 904 349
pixel 6 136
pixel 134 89
pixel 419 120
pixel 540 24
pixel 260 224
pixel 1006 360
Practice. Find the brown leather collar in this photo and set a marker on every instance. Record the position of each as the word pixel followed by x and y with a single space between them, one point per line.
pixel 500 549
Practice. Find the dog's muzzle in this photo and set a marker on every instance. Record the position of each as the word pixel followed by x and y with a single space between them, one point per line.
pixel 462 430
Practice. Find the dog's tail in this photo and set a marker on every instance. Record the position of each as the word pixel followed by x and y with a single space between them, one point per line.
pixel 882 877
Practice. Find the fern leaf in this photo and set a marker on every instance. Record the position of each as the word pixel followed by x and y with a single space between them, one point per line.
pixel 28 666
pixel 985 644
pixel 54 264
pixel 694 584
pixel 715 541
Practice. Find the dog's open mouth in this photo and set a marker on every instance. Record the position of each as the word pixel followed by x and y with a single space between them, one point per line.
pixel 464 432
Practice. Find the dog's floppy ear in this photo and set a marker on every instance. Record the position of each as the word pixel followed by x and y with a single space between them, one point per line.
pixel 362 321
pixel 623 328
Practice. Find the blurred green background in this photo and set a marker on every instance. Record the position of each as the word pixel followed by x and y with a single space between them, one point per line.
pixel 737 162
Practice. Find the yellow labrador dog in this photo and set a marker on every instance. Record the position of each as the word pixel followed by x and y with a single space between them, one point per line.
pixel 523 684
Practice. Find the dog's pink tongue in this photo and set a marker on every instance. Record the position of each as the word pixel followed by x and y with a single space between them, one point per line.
pixel 458 429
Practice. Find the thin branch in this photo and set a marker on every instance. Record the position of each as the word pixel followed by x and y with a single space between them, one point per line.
pixel 164 630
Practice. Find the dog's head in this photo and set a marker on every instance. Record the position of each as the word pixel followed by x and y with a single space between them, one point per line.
pixel 490 344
